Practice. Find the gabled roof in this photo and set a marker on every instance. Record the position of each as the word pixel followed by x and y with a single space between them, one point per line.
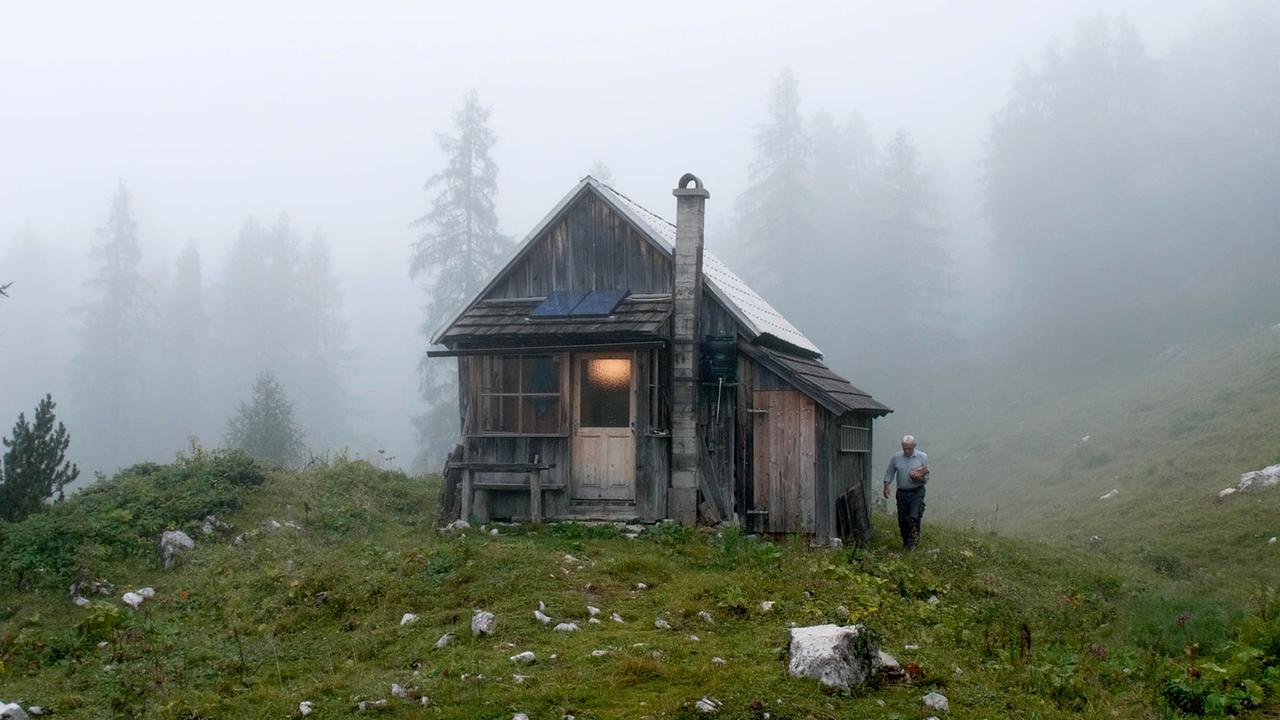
pixel 753 312
pixel 637 317
pixel 817 381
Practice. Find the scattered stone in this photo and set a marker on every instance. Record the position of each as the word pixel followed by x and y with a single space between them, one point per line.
pixel 1226 492
pixel 457 526
pixel 910 646
pixel 616 617
pixel 1109 495
pixel 837 543
pixel 398 691
pixel 662 624
pixel 593 621
pixel 838 656
pixel 424 701
pixel 599 653
pixel 1257 479
pixel 519 678
pixel 132 599
pixel 292 525
pixel 566 627
pixel 212 524
pixel 641 586
pixel 717 660
pixel 173 542
pixel 80 601
pixel 767 605
pixel 707 706
pixel 541 617
pixel 147 592
pixel 542 605
pixel 842 611
pixel 408 619
pixel 1095 542
pixel 519 716
pixel 271 525
pixel 705 617
pixel 12 711
pixel 937 701
pixel 887 667
pixel 694 638
pixel 1272 541
pixel 36 710
pixel 368 705
pixel 493 532
pixel 305 707
pixel 631 536
pixel 483 623
pixel 570 559
pixel 525 658
pixel 593 611
pixel 933 600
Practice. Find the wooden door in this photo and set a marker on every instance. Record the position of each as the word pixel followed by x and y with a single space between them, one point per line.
pixel 604 443
pixel 782 455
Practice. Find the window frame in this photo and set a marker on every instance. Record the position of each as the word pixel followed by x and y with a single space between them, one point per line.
pixel 481 397
pixel 855 439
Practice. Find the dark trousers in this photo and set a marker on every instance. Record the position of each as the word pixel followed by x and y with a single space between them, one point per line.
pixel 910 512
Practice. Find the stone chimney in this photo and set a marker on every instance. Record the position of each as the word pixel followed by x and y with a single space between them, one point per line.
pixel 686 445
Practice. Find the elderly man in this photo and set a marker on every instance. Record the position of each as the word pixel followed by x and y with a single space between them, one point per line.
pixel 910 469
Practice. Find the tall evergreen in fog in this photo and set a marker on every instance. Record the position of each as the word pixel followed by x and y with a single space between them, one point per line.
pixel 265 427
pixel 325 355
pixel 184 375
pixel 773 214
pixel 459 247
pixel 110 368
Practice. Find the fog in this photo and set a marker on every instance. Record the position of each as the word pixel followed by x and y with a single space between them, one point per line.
pixel 321 120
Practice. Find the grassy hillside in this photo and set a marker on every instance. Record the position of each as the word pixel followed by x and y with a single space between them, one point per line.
pixel 250 629
pixel 1168 441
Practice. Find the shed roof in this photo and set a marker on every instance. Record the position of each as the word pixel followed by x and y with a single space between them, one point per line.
pixel 817 381
pixel 636 317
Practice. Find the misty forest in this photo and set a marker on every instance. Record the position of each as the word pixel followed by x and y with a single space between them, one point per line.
pixel 1047 238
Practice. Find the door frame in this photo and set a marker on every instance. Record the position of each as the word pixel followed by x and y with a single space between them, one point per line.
pixel 575 375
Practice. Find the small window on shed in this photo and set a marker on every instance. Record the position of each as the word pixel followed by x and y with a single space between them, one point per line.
pixel 855 439
pixel 520 395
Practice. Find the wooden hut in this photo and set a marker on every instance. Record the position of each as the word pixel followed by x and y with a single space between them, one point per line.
pixel 612 369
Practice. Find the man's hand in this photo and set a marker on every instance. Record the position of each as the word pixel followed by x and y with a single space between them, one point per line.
pixel 886 490
pixel 917 473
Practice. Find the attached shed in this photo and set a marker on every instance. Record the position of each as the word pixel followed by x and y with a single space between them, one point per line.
pixel 613 369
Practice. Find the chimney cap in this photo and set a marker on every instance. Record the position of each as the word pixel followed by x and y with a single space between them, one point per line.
pixel 683 189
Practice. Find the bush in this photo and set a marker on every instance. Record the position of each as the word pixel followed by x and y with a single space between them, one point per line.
pixel 122 517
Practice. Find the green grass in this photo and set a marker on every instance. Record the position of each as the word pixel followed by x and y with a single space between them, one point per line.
pixel 252 629
pixel 1168 440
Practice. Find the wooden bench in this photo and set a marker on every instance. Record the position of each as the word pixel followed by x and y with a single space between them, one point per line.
pixel 532 480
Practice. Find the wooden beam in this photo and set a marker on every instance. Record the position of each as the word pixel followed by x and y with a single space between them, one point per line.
pixel 535 349
pixel 535 495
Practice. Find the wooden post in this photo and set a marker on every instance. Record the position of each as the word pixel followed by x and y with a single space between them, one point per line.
pixel 466 494
pixel 535 496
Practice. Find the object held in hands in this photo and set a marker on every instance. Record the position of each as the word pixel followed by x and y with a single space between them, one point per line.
pixel 919 474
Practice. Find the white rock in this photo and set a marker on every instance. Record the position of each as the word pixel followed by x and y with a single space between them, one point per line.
pixel 541 617
pixel 519 716
pixel 1272 541
pixel 424 701
pixel 694 638
pixel 366 705
pixel 566 627
pixel 132 599
pixel 831 654
pixel 937 701
pixel 593 611
pixel 1109 495
pixel 767 605
pixel 641 586
pixel 910 646
pixel 12 711
pixel 494 532
pixel 146 592
pixel 519 678
pixel 271 525
pixel 1257 479
pixel 36 710
pixel 570 559
pixel 1226 492
pixel 662 624
pixel 292 525
pixel 79 601
pixel 483 623
pixel 408 619
pixel 616 617
pixel 705 617
pixel 593 621
pixel 886 661
pixel 305 707
pixel 173 542
pixel 599 653
pixel 631 536
pixel 525 658
pixel 933 600
pixel 457 526
pixel 444 640
pixel 398 691
pixel 707 706
pixel 717 660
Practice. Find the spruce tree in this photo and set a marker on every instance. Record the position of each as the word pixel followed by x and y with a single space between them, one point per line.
pixel 265 428
pixel 185 341
pixel 458 249
pixel 109 370
pixel 773 214
pixel 324 353
pixel 34 466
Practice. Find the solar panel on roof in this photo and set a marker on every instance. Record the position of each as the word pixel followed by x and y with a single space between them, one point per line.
pixel 599 303
pixel 559 304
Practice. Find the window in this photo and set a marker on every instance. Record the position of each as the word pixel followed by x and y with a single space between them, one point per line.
pixel 659 407
pixel 520 395
pixel 854 439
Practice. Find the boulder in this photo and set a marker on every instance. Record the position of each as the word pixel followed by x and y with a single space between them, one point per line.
pixel 132 599
pixel 1257 479
pixel 937 701
pixel 11 711
pixel 839 656
pixel 173 542
pixel 483 623
pixel 525 658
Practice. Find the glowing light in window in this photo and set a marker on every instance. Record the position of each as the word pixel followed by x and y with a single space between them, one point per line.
pixel 611 373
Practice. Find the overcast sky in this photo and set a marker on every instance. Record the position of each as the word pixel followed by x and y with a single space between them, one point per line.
pixel 326 111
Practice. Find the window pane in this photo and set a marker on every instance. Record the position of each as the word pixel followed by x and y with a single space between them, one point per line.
pixel 510 375
pixel 541 414
pixel 605 399
pixel 541 373
pixel 498 414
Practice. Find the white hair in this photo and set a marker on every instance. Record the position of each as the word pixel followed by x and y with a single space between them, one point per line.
pixel 908 439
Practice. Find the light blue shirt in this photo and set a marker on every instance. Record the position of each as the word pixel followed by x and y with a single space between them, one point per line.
pixel 900 466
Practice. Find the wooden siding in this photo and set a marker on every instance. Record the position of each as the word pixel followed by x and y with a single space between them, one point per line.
pixel 590 247
pixel 784 459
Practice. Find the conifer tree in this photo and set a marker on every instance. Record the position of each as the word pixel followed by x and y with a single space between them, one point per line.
pixel 34 466
pixel 265 428
pixel 186 345
pixel 458 249
pixel 109 370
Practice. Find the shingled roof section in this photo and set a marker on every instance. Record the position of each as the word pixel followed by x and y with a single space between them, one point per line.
pixel 817 381
pixel 490 321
